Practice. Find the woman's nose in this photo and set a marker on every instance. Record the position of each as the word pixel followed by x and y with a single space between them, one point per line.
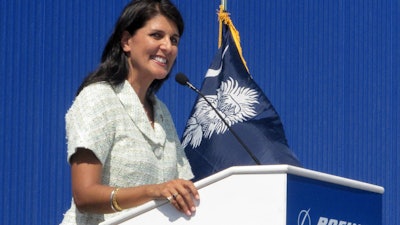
pixel 166 44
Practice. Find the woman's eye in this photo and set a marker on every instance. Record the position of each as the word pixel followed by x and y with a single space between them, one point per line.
pixel 156 35
pixel 175 41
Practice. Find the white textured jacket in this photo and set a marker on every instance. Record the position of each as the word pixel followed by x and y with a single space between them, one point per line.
pixel 112 123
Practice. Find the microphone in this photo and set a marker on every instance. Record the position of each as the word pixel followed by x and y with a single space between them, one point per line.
pixel 184 80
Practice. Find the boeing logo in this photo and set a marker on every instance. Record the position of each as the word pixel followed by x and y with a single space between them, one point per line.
pixel 304 218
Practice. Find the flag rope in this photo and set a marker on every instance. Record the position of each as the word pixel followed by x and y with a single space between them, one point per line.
pixel 223 18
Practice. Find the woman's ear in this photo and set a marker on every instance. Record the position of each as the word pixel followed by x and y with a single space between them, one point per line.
pixel 125 45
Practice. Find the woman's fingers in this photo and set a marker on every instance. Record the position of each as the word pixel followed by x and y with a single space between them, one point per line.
pixel 181 195
pixel 185 202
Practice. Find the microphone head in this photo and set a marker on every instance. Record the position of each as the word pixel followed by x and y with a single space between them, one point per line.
pixel 181 79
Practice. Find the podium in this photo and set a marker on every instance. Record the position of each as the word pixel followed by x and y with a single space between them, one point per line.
pixel 270 194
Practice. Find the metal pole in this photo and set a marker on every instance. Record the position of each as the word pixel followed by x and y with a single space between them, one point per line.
pixel 225 4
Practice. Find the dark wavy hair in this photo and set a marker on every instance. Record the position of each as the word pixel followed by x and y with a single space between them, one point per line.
pixel 113 67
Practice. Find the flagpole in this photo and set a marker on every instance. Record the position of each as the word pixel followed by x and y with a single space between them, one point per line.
pixel 224 3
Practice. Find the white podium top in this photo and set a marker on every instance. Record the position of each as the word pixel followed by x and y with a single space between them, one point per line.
pixel 287 169
pixel 273 170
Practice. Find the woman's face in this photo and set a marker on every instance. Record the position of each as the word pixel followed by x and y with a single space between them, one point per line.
pixel 152 50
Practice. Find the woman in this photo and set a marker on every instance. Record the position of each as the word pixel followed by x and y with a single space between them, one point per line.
pixel 122 144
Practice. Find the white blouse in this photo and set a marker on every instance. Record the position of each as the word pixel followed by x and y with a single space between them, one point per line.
pixel 112 123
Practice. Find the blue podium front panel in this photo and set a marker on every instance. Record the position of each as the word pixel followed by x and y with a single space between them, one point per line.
pixel 314 202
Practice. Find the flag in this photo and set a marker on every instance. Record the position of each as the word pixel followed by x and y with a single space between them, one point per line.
pixel 209 143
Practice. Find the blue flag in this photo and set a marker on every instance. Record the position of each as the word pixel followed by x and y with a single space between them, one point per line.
pixel 228 86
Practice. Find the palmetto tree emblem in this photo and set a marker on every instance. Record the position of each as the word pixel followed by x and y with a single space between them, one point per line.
pixel 235 103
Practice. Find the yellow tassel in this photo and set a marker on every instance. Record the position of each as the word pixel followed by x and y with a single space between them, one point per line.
pixel 223 18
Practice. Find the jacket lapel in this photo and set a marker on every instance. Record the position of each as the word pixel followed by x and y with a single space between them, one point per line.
pixel 135 110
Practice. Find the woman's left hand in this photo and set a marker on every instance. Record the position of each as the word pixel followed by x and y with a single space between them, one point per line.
pixel 181 194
